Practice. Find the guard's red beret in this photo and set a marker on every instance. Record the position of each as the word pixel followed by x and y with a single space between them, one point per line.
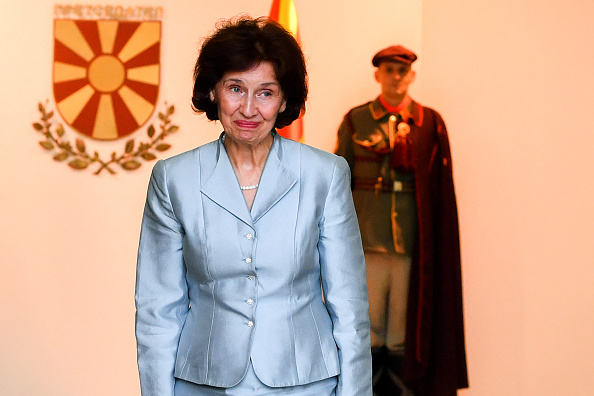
pixel 395 53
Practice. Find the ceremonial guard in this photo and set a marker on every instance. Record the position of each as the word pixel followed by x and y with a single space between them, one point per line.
pixel 403 191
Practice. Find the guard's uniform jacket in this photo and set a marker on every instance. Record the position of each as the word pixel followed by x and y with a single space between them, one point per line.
pixel 405 201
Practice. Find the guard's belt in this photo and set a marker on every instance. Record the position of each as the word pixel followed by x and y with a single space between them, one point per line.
pixel 406 186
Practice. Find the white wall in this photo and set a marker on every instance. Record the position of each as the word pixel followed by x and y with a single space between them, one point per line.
pixel 513 80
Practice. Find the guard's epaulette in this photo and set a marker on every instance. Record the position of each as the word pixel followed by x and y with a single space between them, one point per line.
pixel 362 107
pixel 354 112
pixel 372 108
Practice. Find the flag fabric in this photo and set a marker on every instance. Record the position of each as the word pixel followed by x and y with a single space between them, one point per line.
pixel 285 13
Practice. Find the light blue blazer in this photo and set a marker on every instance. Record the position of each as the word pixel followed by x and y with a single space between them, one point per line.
pixel 218 285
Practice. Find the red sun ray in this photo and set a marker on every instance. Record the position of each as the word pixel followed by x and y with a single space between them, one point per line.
pixel 85 121
pixel 124 120
pixel 66 55
pixel 125 31
pixel 147 91
pixel 64 89
pixel 150 56
pixel 91 34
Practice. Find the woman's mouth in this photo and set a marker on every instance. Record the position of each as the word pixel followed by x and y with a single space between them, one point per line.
pixel 247 124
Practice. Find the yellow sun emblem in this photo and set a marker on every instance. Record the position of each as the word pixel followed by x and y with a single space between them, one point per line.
pixel 106 75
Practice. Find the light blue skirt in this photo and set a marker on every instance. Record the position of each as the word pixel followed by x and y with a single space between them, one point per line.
pixel 251 385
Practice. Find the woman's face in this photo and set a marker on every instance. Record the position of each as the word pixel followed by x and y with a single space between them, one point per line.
pixel 249 102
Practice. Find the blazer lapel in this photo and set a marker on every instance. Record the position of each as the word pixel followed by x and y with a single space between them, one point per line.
pixel 276 179
pixel 223 188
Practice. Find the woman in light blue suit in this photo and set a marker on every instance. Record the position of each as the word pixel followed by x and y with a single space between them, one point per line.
pixel 251 276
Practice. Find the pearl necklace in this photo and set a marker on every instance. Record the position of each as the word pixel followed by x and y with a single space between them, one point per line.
pixel 252 187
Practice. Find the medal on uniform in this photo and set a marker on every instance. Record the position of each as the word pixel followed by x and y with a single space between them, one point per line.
pixel 403 129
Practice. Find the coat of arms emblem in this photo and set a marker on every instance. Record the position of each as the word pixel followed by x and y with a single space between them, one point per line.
pixel 106 77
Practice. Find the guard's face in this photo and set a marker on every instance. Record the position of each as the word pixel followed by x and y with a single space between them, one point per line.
pixel 394 77
pixel 249 102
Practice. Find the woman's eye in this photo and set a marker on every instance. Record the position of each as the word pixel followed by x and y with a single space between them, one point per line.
pixel 266 94
pixel 235 89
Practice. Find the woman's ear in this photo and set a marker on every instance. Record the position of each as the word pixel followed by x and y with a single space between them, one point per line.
pixel 212 97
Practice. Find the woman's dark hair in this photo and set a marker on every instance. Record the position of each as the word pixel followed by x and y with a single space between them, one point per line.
pixel 238 45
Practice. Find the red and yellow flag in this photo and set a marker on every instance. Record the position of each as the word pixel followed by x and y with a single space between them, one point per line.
pixel 285 13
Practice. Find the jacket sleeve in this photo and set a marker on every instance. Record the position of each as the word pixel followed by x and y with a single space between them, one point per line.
pixel 161 291
pixel 345 285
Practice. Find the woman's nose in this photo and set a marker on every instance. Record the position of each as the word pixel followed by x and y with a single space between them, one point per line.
pixel 248 106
